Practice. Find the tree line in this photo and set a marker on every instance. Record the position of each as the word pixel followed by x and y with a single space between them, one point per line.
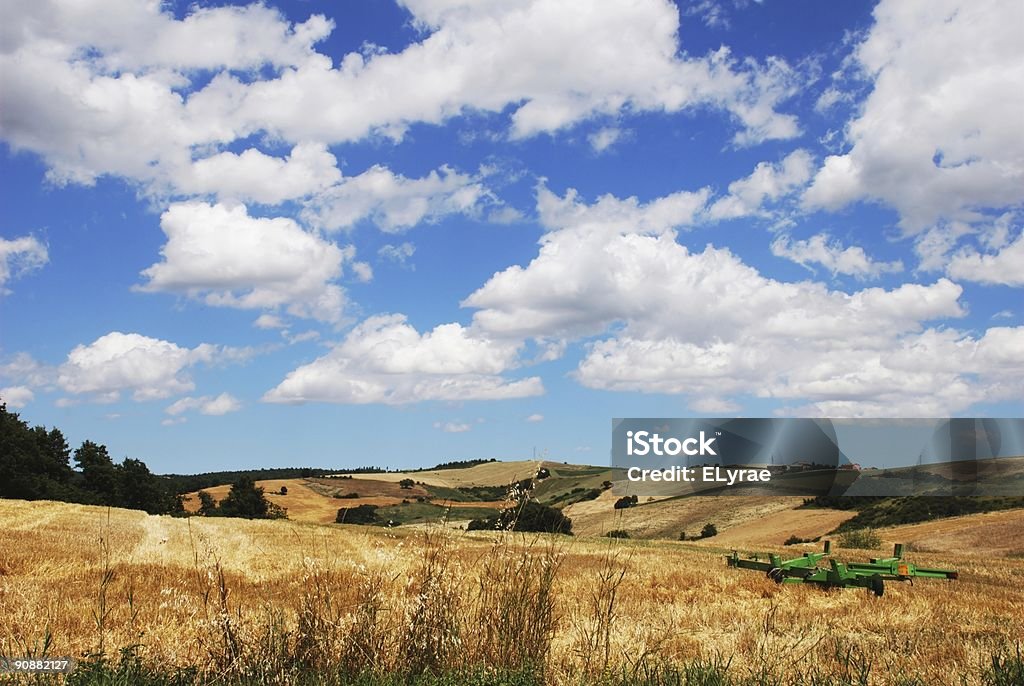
pixel 35 464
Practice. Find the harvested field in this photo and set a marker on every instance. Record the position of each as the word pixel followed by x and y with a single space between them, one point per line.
pixel 208 593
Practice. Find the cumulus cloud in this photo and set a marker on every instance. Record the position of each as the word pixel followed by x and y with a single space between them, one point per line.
pixel 16 396
pixel 385 360
pixel 393 202
pixel 125 88
pixel 1005 267
pixel 117 362
pixel 715 328
pixel 254 176
pixel 225 257
pixel 19 256
pixel 768 182
pixel 822 249
pixel 938 136
pixel 208 405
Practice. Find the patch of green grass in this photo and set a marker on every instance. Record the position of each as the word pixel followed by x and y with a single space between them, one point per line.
pixel 415 513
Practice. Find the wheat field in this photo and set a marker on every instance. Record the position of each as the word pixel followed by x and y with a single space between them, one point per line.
pixel 215 594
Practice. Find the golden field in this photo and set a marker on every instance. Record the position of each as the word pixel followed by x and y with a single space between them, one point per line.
pixel 209 592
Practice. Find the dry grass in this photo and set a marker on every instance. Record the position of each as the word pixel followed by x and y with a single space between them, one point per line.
pixel 217 593
pixel 312 501
pixel 988 534
pixel 486 474
pixel 660 518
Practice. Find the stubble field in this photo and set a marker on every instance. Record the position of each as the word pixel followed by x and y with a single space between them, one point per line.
pixel 269 599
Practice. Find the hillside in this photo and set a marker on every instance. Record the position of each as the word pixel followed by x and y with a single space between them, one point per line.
pixel 161 583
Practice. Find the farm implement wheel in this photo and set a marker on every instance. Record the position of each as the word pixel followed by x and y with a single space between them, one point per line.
pixel 877 585
pixel 775 574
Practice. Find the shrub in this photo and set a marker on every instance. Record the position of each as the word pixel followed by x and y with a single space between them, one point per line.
pixel 625 501
pixel 487 524
pixel 618 533
pixel 708 531
pixel 530 516
pixel 682 535
pixel 406 483
pixel 794 540
pixel 284 490
pixel 865 539
pixel 360 514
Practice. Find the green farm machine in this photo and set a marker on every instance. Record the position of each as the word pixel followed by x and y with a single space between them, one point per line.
pixel 870 575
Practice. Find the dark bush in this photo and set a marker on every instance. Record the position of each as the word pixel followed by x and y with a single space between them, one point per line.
pixel 360 514
pixel 708 531
pixel 617 533
pixel 625 501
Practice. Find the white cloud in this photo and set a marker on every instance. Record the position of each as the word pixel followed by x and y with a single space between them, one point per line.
pixel 612 214
pixel 536 417
pixel 1004 267
pixel 226 257
pixel 707 405
pixel 822 249
pixel 768 182
pixel 23 369
pixel 16 396
pixel 830 98
pixel 20 256
pixel 130 35
pixel 939 135
pixel 253 176
pixel 149 368
pixel 269 321
pixel 385 360
pixel 393 202
pixel 124 88
pixel 397 253
pixel 214 406
pixel 604 138
pixel 714 327
pixel 453 427
pixel 363 271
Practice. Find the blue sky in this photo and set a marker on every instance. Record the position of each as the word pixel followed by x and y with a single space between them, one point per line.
pixel 398 233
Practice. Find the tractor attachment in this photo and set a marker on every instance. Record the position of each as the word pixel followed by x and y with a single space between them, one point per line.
pixel 871 575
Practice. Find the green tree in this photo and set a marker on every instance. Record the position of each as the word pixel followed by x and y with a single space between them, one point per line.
pixel 245 499
pixel 207 505
pixel 406 483
pixel 99 477
pixel 138 489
